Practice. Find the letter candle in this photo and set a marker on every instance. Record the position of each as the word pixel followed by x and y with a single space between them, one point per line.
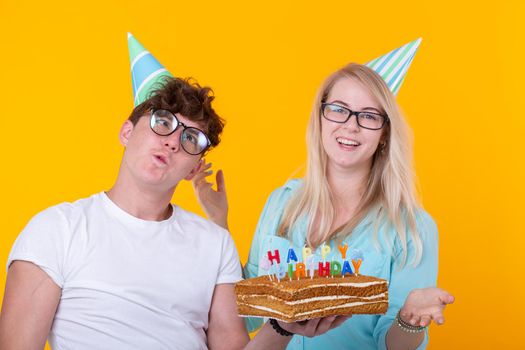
pixel 357 265
pixel 281 272
pixel 357 258
pixel 343 249
pixel 325 249
pixel 291 256
pixel 271 263
pixel 346 268
pixel 264 263
pixel 336 268
pixel 275 256
pixel 306 253
pixel 324 270
pixel 300 270
pixel 311 265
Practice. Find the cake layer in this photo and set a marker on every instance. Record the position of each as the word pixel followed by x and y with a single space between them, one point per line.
pixel 293 307
pixel 306 287
pixel 307 298
pixel 379 307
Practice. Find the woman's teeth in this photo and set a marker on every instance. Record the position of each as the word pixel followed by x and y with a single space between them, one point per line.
pixel 347 142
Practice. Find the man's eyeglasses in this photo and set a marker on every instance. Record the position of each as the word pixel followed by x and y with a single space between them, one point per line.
pixel 340 114
pixel 193 141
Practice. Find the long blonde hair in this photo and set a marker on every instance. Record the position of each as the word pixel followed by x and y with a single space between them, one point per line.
pixel 390 194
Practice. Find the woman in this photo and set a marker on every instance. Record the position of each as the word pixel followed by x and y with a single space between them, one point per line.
pixel 358 190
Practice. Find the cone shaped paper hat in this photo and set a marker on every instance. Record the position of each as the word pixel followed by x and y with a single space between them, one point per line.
pixel 146 71
pixel 393 66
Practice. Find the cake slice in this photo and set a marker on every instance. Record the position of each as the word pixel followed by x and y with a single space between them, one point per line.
pixel 306 298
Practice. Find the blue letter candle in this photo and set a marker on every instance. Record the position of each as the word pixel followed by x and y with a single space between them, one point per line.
pixel 347 268
pixel 291 256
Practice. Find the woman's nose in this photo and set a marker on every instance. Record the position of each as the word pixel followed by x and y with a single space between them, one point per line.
pixel 351 123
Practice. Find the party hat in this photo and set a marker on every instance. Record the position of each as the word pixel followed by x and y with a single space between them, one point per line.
pixel 393 66
pixel 146 71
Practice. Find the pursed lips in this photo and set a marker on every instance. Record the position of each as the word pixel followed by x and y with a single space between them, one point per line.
pixel 161 158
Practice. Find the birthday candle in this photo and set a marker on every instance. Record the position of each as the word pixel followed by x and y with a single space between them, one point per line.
pixel 281 272
pixel 357 265
pixel 306 253
pixel 335 268
pixel 357 258
pixel 299 270
pixel 325 249
pixel 331 266
pixel 346 268
pixel 324 269
pixel 311 265
pixel 291 256
pixel 275 256
pixel 343 249
pixel 264 263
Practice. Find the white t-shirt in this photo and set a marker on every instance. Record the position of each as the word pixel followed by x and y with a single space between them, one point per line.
pixel 128 283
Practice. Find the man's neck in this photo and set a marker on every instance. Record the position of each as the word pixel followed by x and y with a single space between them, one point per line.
pixel 145 204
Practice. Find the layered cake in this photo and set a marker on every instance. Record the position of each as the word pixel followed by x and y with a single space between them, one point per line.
pixel 304 298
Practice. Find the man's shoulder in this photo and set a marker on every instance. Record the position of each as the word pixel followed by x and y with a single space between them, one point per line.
pixel 188 219
pixel 66 211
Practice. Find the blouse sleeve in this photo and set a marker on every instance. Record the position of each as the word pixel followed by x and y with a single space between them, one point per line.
pixel 405 279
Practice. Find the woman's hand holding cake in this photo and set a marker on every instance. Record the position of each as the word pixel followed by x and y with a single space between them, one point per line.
pixel 314 327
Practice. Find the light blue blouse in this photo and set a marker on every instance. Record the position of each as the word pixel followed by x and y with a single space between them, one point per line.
pixel 361 331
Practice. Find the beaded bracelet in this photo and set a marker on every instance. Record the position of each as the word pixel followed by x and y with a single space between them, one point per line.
pixel 407 327
pixel 278 328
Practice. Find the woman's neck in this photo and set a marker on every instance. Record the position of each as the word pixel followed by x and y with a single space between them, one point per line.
pixel 347 186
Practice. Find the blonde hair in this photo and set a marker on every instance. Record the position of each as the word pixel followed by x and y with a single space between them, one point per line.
pixel 390 194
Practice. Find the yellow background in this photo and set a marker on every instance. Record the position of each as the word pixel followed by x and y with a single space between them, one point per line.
pixel 66 89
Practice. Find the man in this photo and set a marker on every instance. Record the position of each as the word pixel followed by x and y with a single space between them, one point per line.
pixel 125 269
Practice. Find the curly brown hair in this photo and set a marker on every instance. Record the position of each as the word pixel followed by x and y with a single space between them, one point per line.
pixel 187 97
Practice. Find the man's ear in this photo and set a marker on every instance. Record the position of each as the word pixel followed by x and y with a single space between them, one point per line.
pixel 195 170
pixel 125 132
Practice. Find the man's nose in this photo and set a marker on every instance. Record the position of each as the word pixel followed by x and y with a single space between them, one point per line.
pixel 173 141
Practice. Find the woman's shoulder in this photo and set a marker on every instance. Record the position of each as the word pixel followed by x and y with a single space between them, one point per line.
pixel 276 202
pixel 425 228
pixel 425 224
pixel 291 185
pixel 283 193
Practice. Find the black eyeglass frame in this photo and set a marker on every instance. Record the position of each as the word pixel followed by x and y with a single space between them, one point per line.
pixel 356 113
pixel 184 128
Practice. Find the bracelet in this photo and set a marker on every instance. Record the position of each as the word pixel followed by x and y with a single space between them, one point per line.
pixel 278 328
pixel 407 327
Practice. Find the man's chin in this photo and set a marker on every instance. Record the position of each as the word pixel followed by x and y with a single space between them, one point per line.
pixel 160 184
